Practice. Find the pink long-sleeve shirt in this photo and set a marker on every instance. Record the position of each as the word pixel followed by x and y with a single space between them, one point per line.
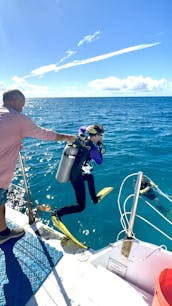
pixel 15 126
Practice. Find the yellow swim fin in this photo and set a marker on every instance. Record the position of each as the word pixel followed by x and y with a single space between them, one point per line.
pixel 104 192
pixel 60 225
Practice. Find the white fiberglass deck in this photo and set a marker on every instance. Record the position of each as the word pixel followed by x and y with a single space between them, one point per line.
pixel 76 281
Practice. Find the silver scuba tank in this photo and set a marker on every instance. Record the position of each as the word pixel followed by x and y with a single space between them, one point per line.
pixel 67 160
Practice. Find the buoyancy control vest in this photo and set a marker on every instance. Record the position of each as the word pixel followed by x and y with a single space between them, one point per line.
pixel 72 159
pixel 82 157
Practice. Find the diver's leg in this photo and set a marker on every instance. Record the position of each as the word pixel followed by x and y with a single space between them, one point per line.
pixel 91 187
pixel 80 194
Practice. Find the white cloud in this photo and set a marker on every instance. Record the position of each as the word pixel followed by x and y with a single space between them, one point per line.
pixel 111 86
pixel 49 68
pixel 89 38
pixel 170 86
pixel 27 88
pixel 69 53
pixel 86 39
pixel 42 70
pixel 131 84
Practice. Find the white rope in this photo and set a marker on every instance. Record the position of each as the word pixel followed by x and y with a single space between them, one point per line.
pixel 169 198
pixel 155 227
pixel 124 220
pixel 158 212
pixel 119 195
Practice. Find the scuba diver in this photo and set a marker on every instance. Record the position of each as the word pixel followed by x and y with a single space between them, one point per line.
pixel 88 148
pixel 146 189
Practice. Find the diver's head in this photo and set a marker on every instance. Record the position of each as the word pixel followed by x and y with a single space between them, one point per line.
pixel 95 132
pixel 143 180
pixel 96 129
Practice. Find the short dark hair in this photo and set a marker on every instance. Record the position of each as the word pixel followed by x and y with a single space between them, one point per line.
pixel 12 95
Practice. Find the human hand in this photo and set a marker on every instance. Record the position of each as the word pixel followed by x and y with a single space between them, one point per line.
pixel 70 138
pixel 99 143
pixel 65 137
pixel 102 147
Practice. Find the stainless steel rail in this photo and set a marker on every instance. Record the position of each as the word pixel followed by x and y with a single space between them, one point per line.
pixel 31 217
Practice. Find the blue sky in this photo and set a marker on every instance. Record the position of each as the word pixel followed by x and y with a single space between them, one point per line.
pixel 73 48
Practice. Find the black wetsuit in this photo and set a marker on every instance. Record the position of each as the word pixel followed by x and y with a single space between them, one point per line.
pixel 78 178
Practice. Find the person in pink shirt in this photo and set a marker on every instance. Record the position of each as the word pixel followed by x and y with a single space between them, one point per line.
pixel 14 126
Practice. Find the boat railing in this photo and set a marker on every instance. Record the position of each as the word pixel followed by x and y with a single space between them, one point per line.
pixel 134 206
pixel 127 218
pixel 19 196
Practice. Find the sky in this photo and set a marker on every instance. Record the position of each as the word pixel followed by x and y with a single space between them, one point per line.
pixel 86 48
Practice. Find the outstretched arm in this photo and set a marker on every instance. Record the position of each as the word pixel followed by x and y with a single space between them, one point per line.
pixel 30 129
pixel 65 137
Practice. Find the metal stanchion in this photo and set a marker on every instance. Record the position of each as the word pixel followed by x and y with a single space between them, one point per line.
pixel 31 217
pixel 127 242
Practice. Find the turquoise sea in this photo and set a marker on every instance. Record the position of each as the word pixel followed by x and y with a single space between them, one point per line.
pixel 138 137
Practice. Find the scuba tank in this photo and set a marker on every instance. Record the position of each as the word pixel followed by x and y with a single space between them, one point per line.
pixel 67 160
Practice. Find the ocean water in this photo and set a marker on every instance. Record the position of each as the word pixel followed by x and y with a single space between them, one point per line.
pixel 138 137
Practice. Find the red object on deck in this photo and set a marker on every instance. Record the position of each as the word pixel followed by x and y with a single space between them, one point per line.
pixel 163 289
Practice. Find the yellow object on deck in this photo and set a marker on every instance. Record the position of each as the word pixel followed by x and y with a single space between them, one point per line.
pixel 60 225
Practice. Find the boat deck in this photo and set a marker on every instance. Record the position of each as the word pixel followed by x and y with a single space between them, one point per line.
pixel 75 280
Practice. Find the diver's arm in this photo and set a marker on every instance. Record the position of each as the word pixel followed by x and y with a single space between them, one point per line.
pixel 144 189
pixel 96 155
